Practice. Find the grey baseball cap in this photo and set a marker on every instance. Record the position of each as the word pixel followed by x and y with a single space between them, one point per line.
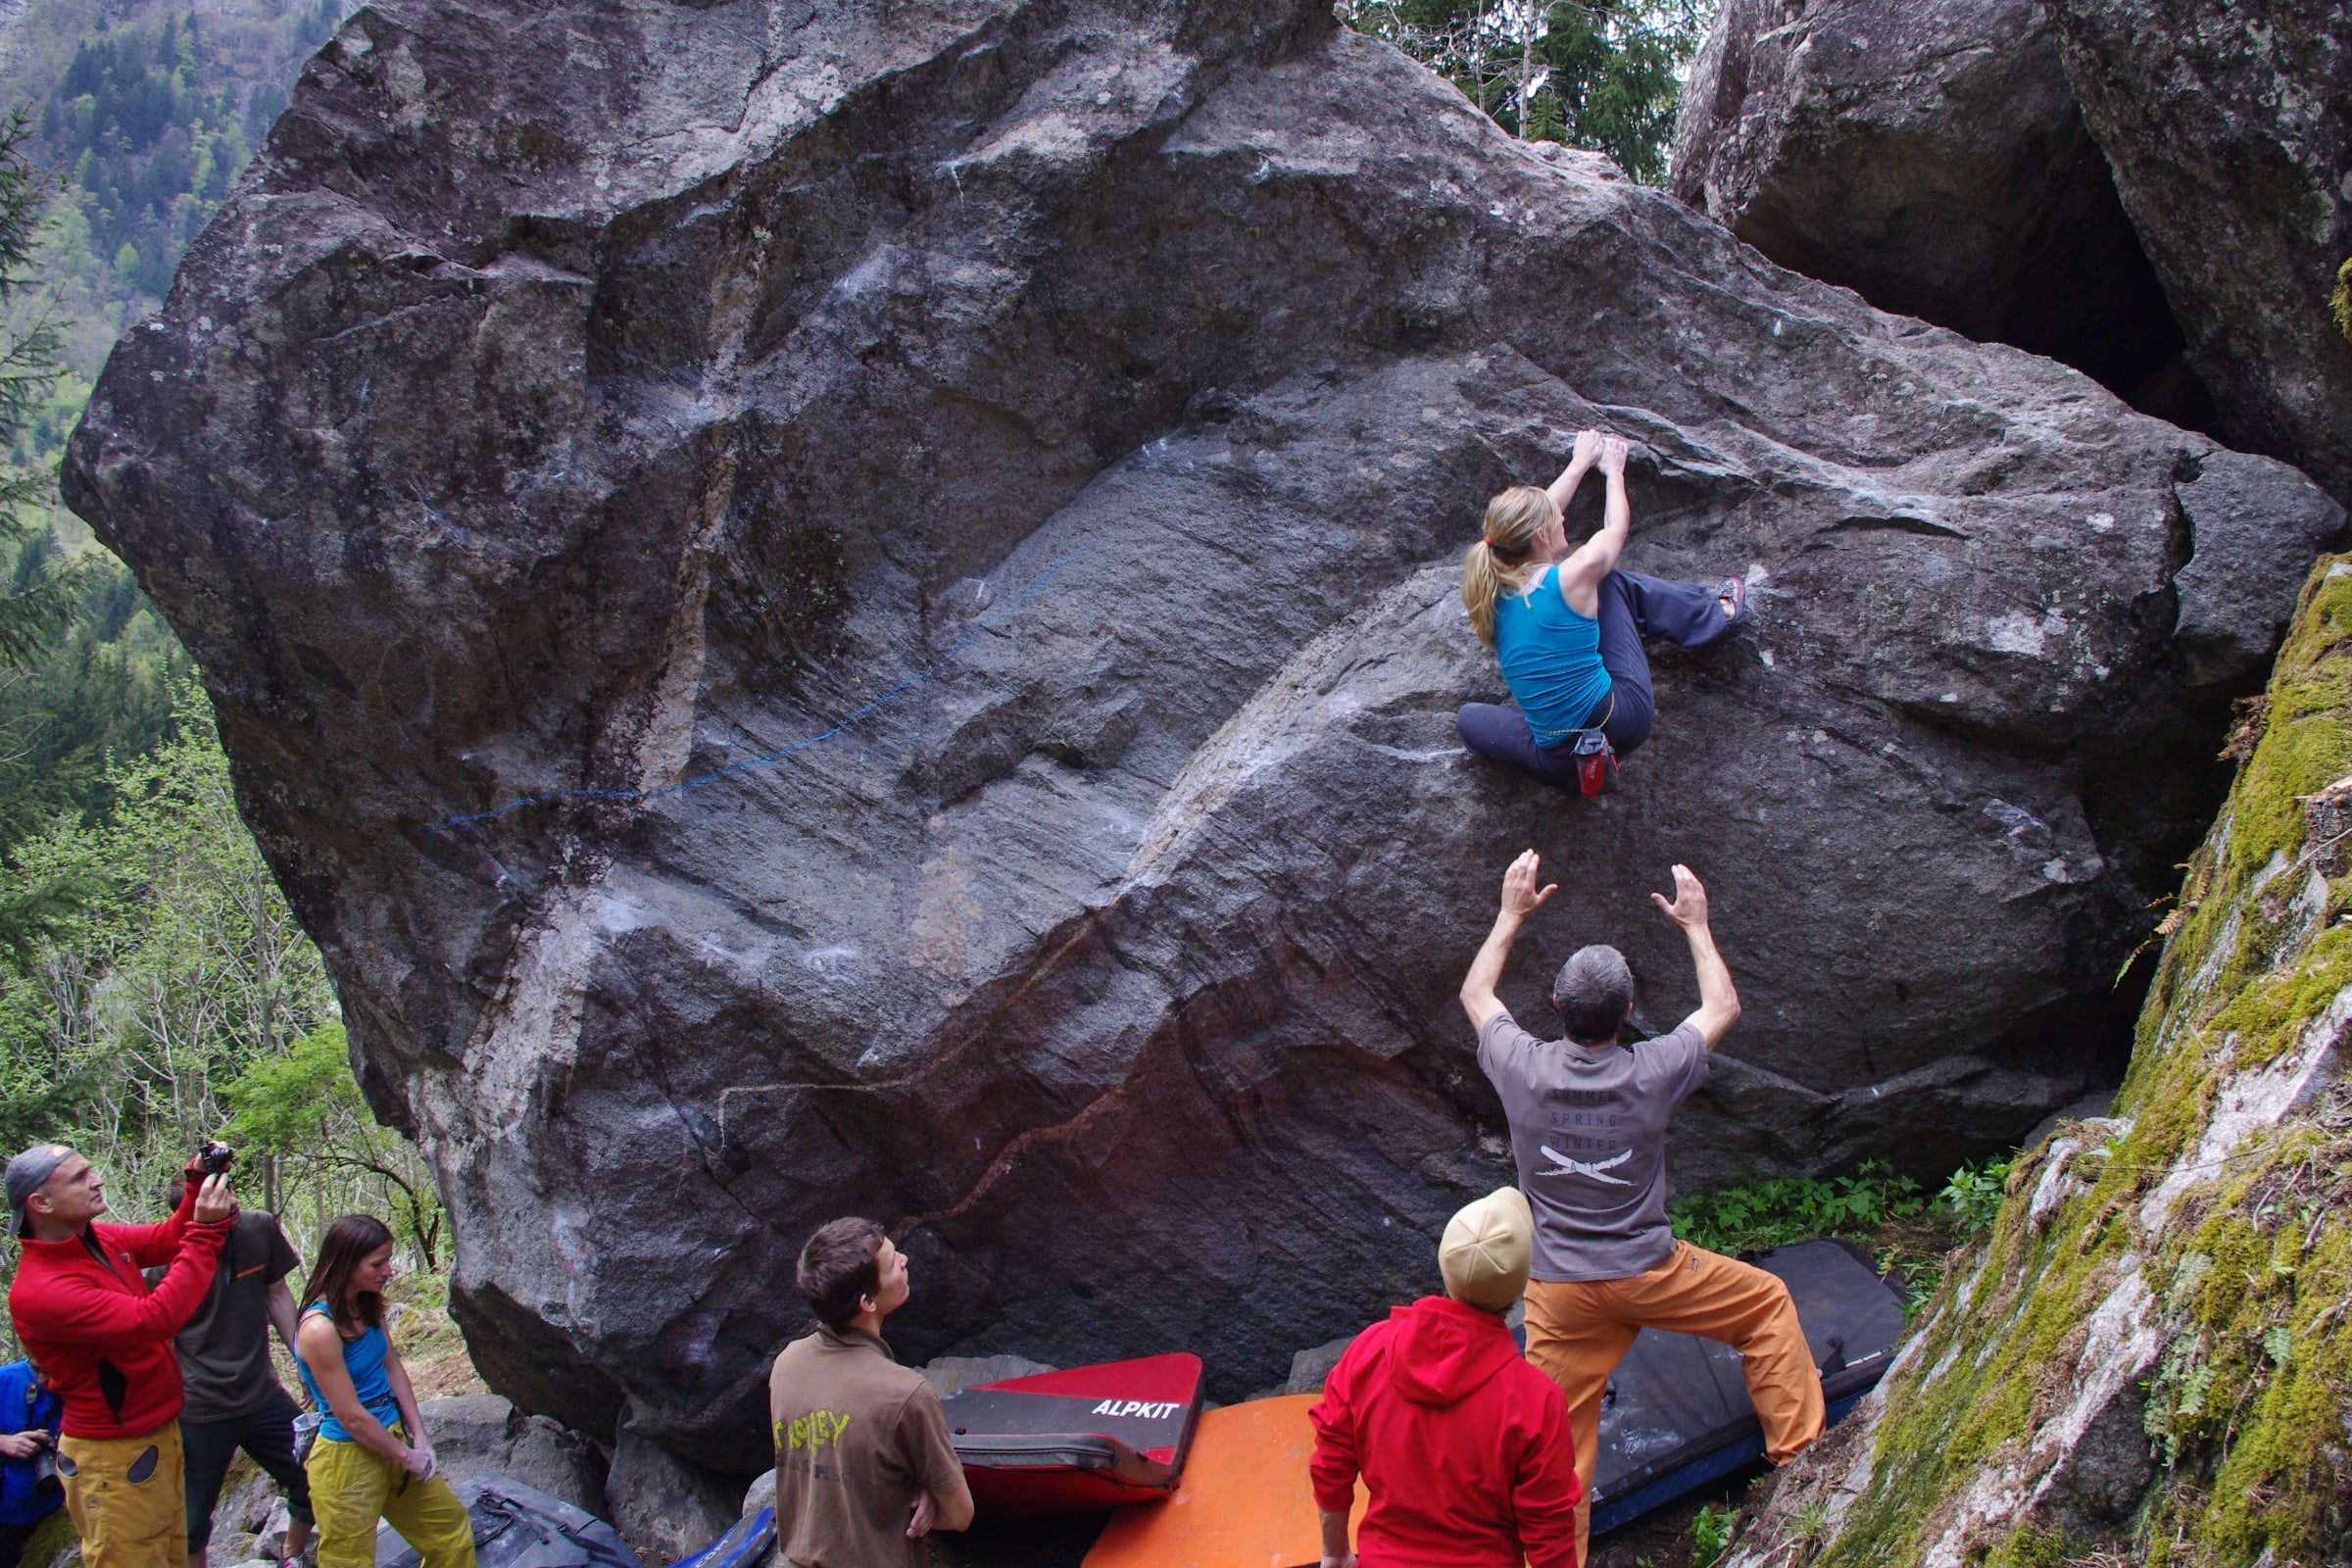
pixel 25 1173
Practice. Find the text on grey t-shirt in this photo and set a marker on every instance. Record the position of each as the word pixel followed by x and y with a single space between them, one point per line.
pixel 1588 1130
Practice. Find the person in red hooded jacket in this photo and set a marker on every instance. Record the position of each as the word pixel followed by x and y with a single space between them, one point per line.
pixel 81 1308
pixel 1463 1447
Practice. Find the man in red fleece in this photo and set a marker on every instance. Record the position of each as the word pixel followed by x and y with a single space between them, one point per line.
pixel 83 1311
pixel 1463 1447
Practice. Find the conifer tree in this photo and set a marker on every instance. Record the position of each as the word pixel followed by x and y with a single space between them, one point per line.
pixel 35 607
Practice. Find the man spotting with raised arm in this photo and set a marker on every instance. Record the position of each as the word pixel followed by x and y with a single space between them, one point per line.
pixel 82 1310
pixel 1588 1117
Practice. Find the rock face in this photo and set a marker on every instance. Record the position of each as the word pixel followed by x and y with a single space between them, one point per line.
pixel 854 609
pixel 2147 1362
pixel 2229 129
pixel 1929 157
pixel 667 1507
pixel 482 1434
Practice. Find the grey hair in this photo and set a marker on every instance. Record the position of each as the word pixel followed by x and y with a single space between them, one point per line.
pixel 1593 993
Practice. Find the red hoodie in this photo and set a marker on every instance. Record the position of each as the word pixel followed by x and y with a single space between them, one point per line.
pixel 1464 1446
pixel 85 1315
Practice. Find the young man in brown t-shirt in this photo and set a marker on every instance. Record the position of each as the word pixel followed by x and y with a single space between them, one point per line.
pixel 864 1468
pixel 1588 1118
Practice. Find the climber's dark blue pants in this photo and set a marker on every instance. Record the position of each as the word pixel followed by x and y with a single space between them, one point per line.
pixel 1632 606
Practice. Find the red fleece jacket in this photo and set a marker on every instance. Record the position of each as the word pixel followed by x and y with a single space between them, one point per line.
pixel 87 1319
pixel 1463 1447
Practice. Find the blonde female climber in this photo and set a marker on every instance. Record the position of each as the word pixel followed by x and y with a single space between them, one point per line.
pixel 1567 625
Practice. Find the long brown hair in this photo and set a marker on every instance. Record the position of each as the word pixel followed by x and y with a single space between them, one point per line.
pixel 1499 560
pixel 346 1245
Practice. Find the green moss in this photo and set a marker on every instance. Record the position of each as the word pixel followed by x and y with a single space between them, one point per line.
pixel 2028 1548
pixel 2341 303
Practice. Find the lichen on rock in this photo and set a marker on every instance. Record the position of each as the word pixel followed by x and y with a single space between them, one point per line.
pixel 2148 1356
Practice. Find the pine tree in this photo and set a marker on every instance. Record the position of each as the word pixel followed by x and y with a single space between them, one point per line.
pixel 36 607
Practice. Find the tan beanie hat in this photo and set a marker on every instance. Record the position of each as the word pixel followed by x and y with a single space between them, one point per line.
pixel 1484 1252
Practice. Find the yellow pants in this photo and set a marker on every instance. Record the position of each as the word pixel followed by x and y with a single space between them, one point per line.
pixel 127 1498
pixel 1577 1333
pixel 352 1488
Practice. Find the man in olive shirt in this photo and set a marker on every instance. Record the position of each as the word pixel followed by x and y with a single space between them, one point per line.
pixel 233 1396
pixel 864 1468
pixel 1588 1118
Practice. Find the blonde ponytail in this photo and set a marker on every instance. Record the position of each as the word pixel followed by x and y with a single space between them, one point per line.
pixel 1498 564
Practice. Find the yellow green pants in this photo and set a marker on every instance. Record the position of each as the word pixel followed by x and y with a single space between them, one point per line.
pixel 127 1500
pixel 352 1488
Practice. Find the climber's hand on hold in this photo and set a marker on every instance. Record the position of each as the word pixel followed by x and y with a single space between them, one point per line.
pixel 1588 449
pixel 1611 462
pixel 1520 896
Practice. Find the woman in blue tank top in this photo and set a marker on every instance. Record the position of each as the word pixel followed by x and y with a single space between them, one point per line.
pixel 1566 624
pixel 371 1459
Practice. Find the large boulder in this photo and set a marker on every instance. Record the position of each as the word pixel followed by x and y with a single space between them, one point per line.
pixel 853 608
pixel 2228 124
pixel 1932 158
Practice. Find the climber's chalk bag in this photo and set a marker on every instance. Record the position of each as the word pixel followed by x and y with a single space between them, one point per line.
pixel 1596 763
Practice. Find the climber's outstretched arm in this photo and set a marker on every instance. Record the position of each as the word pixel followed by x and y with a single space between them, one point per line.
pixel 1520 899
pixel 1597 557
pixel 1718 1000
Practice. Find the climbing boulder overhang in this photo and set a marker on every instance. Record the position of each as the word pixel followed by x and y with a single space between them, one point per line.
pixel 833 608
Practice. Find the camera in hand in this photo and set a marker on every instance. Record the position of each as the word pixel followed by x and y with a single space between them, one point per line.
pixel 215 1158
pixel 44 1461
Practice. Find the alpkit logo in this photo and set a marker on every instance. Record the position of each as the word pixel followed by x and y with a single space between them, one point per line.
pixel 1148 1409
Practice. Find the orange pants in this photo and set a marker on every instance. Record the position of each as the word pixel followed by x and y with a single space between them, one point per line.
pixel 1577 1333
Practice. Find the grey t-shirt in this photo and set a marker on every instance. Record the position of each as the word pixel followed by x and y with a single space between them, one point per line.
pixel 1588 1130
pixel 224 1349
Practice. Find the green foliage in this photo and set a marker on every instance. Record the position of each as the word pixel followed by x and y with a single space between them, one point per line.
pixel 36 606
pixel 144 113
pixel 2340 306
pixel 1605 75
pixel 1774 1211
pixel 1712 1532
pixel 305 1110
pixel 1972 1196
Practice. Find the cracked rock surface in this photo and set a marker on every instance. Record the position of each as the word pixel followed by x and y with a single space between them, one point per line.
pixel 840 607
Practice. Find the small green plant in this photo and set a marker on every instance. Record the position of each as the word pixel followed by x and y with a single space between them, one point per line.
pixel 1973 1196
pixel 1712 1532
pixel 2341 305
pixel 1810 1523
pixel 1774 1211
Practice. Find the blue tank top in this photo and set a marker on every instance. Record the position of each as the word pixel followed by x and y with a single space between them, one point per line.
pixel 364 1359
pixel 1551 656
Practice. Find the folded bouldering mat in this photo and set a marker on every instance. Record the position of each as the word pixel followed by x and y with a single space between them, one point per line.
pixel 516 1526
pixel 1243 1502
pixel 1091 1436
pixel 1677 1415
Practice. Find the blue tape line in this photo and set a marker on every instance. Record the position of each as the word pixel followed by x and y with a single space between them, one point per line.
pixel 773 758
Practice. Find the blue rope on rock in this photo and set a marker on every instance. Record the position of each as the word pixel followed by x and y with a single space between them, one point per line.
pixel 773 758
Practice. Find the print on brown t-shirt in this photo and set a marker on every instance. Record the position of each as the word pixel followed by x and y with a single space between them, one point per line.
pixel 859 1438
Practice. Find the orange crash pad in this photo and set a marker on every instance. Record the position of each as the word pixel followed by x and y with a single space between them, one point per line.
pixel 1244 1500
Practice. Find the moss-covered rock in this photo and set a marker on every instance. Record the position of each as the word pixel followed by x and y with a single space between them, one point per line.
pixel 2149 1359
